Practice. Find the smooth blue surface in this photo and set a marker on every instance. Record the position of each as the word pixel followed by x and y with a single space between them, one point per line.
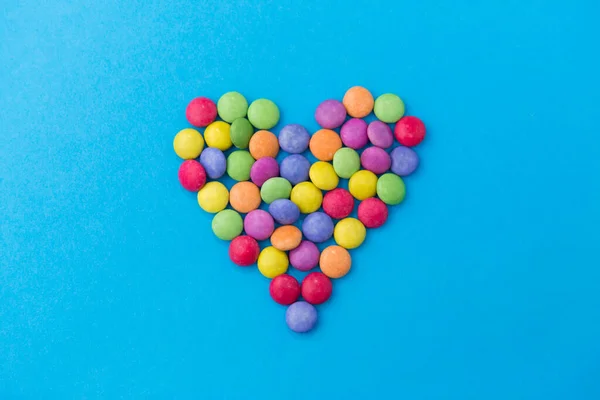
pixel 484 284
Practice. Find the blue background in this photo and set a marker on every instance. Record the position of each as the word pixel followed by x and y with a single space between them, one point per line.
pixel 484 284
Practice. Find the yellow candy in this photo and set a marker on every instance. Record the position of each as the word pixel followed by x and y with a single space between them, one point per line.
pixel 323 175
pixel 307 197
pixel 188 143
pixel 213 197
pixel 217 135
pixel 363 184
pixel 272 262
pixel 349 233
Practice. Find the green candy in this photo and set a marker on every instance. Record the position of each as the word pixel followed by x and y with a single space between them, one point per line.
pixel 346 162
pixel 389 108
pixel 240 132
pixel 238 165
pixel 391 189
pixel 231 106
pixel 275 188
pixel 227 224
pixel 263 114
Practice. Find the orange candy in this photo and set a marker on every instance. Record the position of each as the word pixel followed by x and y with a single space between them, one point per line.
pixel 244 197
pixel 286 237
pixel 324 143
pixel 358 102
pixel 335 261
pixel 264 144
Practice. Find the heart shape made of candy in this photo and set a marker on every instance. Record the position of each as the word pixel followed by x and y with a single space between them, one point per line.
pixel 295 200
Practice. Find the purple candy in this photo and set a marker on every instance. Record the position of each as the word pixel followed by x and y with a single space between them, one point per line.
pixel 330 114
pixel 305 257
pixel 263 169
pixel 295 168
pixel 317 227
pixel 259 224
pixel 284 211
pixel 301 316
pixel 380 134
pixel 404 161
pixel 354 133
pixel 214 162
pixel 294 138
pixel 376 160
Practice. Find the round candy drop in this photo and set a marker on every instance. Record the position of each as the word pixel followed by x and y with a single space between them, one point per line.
pixel 264 169
pixel 275 188
pixel 316 288
pixel 323 175
pixel 263 114
pixel 259 224
pixel 317 227
pixel 363 184
pixel 305 257
pixel 338 203
pixel 372 212
pixel 307 197
pixel 188 143
pixel 284 289
pixel 284 211
pixel 389 108
pixel 214 162
pixel 244 250
pixel 286 238
pixel 244 197
pixel 301 317
pixel 324 143
pixel 272 262
pixel 354 133
pixel 358 102
pixel 330 114
pixel 349 233
pixel 201 111
pixel 191 175
pixel 380 134
pixel 295 168
pixel 335 261
pixel 239 164
pixel 232 105
pixel 213 197
pixel 294 138
pixel 410 131
pixel 241 131
pixel 391 189
pixel 263 144
pixel 346 162
pixel 217 135
pixel 227 224
pixel 376 160
pixel 404 161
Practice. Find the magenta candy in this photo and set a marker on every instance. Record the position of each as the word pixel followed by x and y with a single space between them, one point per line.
pixel 263 169
pixel 376 160
pixel 259 224
pixel 330 114
pixel 380 134
pixel 305 257
pixel 354 133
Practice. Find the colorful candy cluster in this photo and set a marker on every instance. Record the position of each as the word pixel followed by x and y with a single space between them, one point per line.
pixel 296 217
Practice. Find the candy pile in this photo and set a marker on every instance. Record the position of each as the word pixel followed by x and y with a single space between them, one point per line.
pixel 296 217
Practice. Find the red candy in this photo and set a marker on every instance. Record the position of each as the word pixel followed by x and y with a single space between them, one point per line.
pixel 244 250
pixel 372 212
pixel 192 175
pixel 316 288
pixel 201 111
pixel 284 289
pixel 410 131
pixel 338 203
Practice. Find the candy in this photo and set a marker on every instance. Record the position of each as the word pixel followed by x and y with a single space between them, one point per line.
pixel 244 250
pixel 404 161
pixel 307 197
pixel 375 160
pixel 349 233
pixel 338 203
pixel 275 188
pixel 330 114
pixel 227 224
pixel 372 212
pixel 188 143
pixel 354 133
pixel 191 175
pixel 380 134
pixel 240 132
pixel 305 257
pixel 323 175
pixel 263 169
pixel 391 189
pixel 201 111
pixel 272 262
pixel 284 211
pixel 214 162
pixel 239 163
pixel 316 288
pixel 284 289
pixel 231 106
pixel 363 184
pixel 295 168
pixel 263 144
pixel 286 238
pixel 324 143
pixel 301 317
pixel 213 197
pixel 244 197
pixel 259 224
pixel 389 108
pixel 317 227
pixel 335 261
pixel 410 131
pixel 346 162
pixel 217 135
pixel 358 102
pixel 294 138
pixel 263 114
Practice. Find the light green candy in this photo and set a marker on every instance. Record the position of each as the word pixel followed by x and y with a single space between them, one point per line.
pixel 227 224
pixel 231 106
pixel 346 162
pixel 389 108
pixel 238 165
pixel 275 188
pixel 263 114
pixel 391 189
pixel 241 131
